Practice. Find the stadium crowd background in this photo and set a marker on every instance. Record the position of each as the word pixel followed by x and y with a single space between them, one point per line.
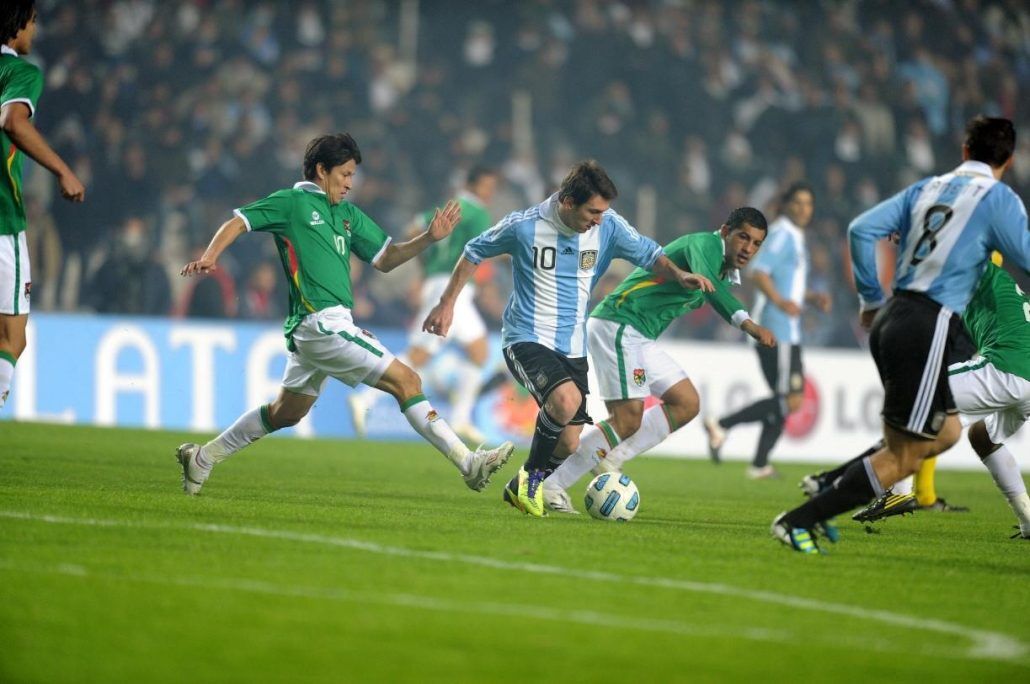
pixel 174 113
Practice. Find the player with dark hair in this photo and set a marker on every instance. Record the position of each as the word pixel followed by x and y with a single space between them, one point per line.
pixel 316 232
pixel 469 329
pixel 781 274
pixel 560 249
pixel 622 335
pixel 947 226
pixel 21 84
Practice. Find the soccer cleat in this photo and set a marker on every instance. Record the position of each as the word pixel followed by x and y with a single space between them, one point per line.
pixel 716 438
pixel 358 409
pixel 887 505
pixel 531 492
pixel 766 472
pixel 511 494
pixel 469 433
pixel 798 539
pixel 557 500
pixel 813 484
pixel 1020 532
pixel 944 507
pixel 827 530
pixel 486 462
pixel 193 476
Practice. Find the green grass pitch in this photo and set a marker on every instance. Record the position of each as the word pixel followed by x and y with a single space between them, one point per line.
pixel 348 562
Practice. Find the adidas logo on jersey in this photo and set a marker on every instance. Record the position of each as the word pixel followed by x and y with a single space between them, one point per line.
pixel 567 251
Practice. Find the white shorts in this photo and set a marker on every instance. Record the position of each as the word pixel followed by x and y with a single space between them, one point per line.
pixel 467 326
pixel 328 344
pixel 15 275
pixel 627 364
pixel 982 391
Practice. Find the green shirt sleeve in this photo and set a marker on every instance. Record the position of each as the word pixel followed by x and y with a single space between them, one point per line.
pixel 268 215
pixel 25 85
pixel 367 238
pixel 705 256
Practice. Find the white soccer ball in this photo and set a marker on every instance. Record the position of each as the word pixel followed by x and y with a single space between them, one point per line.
pixel 612 496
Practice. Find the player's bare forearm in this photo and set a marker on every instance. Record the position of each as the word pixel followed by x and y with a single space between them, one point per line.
pixel 226 235
pixel 439 320
pixel 665 268
pixel 15 122
pixel 766 287
pixel 762 335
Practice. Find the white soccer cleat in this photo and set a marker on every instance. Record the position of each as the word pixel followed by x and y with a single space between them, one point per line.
pixel 716 438
pixel 358 409
pixel 469 433
pixel 193 476
pixel 766 472
pixel 486 462
pixel 557 500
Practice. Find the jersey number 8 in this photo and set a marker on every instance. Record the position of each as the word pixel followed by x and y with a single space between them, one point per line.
pixel 936 218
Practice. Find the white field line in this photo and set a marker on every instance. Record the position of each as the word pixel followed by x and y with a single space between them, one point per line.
pixel 983 643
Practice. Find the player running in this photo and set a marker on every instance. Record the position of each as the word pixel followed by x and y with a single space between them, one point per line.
pixel 21 84
pixel 560 249
pixel 622 335
pixel 316 233
pixel 948 226
pixel 469 329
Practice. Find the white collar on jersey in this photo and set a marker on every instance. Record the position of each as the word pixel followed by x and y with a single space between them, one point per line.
pixel 308 186
pixel 8 50
pixel 732 275
pixel 549 212
pixel 975 167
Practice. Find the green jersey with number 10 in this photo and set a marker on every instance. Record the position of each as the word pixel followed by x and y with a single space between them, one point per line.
pixel 19 82
pixel 315 240
pixel 998 318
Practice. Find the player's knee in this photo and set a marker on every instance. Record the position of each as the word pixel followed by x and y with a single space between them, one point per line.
pixel 980 441
pixel 564 402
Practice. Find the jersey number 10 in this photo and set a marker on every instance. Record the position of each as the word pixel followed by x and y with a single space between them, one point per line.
pixel 544 258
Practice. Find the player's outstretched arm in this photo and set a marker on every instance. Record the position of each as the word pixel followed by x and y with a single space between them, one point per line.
pixel 765 284
pixel 665 268
pixel 763 336
pixel 15 122
pixel 439 320
pixel 226 235
pixel 439 228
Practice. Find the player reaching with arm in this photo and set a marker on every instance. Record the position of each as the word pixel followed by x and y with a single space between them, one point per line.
pixel 622 335
pixel 315 234
pixel 560 249
pixel 20 86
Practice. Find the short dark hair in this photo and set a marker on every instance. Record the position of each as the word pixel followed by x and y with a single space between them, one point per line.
pixel 330 151
pixel 478 171
pixel 16 16
pixel 990 140
pixel 795 188
pixel 749 215
pixel 586 179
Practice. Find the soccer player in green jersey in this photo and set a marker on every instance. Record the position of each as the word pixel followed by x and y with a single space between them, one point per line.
pixel 316 232
pixel 468 329
pixel 20 86
pixel 992 395
pixel 622 335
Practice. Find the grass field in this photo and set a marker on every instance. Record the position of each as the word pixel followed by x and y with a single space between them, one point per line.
pixel 350 562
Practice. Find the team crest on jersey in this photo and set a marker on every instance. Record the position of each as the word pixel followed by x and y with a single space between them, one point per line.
pixel 346 225
pixel 316 219
pixel 587 259
pixel 639 376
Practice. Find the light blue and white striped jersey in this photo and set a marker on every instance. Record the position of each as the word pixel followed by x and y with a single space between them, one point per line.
pixel 784 259
pixel 948 227
pixel 554 270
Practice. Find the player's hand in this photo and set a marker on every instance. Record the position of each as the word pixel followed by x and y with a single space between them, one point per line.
pixel 72 188
pixel 823 301
pixel 693 281
pixel 444 221
pixel 764 336
pixel 790 308
pixel 439 320
pixel 200 266
pixel 865 319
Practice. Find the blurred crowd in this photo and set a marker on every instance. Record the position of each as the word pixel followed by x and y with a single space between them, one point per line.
pixel 174 113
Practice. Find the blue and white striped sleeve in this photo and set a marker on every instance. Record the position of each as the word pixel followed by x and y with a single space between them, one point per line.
pixel 501 239
pixel 1009 233
pixel 886 218
pixel 773 252
pixel 630 245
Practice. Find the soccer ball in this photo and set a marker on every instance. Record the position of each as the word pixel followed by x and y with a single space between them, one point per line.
pixel 612 496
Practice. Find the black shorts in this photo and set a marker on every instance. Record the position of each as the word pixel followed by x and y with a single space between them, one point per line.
pixel 540 370
pixel 913 341
pixel 781 366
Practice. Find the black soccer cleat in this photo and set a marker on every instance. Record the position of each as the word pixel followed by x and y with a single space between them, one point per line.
pixel 887 505
pixel 944 507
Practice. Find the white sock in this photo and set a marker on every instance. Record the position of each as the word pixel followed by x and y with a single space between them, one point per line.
pixel 654 428
pixel 594 444
pixel 470 379
pixel 903 487
pixel 250 427
pixel 435 430
pixel 1005 472
pixel 6 375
